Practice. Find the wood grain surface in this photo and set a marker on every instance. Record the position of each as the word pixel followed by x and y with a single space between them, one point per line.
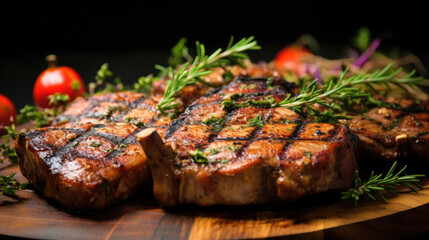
pixel 140 217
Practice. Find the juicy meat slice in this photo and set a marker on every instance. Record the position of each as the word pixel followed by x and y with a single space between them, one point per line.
pixel 393 133
pixel 89 158
pixel 87 167
pixel 230 148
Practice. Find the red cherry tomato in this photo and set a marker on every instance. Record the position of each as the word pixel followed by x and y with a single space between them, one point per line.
pixel 290 58
pixel 57 79
pixel 7 110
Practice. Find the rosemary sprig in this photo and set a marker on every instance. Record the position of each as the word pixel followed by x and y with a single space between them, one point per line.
pixel 377 184
pixel 348 87
pixel 190 73
pixel 360 86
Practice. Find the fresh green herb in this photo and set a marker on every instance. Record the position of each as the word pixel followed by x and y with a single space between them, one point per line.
pixel 199 156
pixel 144 84
pixel 230 104
pixel 270 82
pixel 362 39
pixel 123 145
pixel 360 86
pixel 8 185
pixel 101 80
pixel 58 99
pixel 75 143
pixel 377 184
pixel 179 54
pixel 6 151
pixel 308 154
pixel 232 148
pixel 109 112
pixel 191 73
pixel 214 151
pixel 256 122
pixel 135 121
pixel 215 123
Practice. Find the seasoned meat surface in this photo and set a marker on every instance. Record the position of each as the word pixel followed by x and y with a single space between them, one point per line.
pixel 89 158
pixel 231 148
pixel 393 133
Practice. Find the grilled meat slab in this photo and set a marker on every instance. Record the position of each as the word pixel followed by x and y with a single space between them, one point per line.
pixel 393 133
pixel 246 152
pixel 89 158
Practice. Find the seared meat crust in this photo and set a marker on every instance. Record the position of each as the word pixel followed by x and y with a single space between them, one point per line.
pixel 248 153
pixel 89 158
pixel 393 133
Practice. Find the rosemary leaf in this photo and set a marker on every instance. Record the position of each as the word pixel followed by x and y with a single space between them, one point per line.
pixel 377 184
pixel 189 72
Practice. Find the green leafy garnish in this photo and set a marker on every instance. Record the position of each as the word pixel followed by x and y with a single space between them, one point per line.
pixel 199 156
pixel 360 87
pixel 190 73
pixel 144 84
pixel 8 185
pixel 377 184
pixel 256 122
pixel 6 151
pixel 179 54
pixel 102 84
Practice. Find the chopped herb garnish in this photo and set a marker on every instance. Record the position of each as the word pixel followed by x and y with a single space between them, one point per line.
pixel 270 82
pixel 232 148
pixel 256 122
pixel 214 151
pixel 199 156
pixel 75 144
pixel 6 151
pixel 8 185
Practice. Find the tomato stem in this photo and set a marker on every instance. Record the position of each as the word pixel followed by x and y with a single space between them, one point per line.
pixel 52 60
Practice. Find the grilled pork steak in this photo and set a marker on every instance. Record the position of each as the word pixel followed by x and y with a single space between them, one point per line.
pixel 91 159
pixel 244 152
pixel 393 133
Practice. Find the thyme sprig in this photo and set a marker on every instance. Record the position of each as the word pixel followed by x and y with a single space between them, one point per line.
pixel 190 73
pixel 377 184
pixel 103 82
pixel 7 152
pixel 8 185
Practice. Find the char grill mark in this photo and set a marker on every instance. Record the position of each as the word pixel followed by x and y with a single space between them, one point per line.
pixel 253 154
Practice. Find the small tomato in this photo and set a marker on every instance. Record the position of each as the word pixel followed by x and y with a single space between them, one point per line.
pixel 57 79
pixel 7 110
pixel 291 58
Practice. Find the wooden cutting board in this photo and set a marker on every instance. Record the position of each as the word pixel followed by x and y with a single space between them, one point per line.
pixel 318 217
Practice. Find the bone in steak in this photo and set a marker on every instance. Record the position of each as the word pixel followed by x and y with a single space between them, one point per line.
pixel 239 155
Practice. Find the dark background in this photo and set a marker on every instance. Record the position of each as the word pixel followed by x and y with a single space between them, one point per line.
pixel 132 38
